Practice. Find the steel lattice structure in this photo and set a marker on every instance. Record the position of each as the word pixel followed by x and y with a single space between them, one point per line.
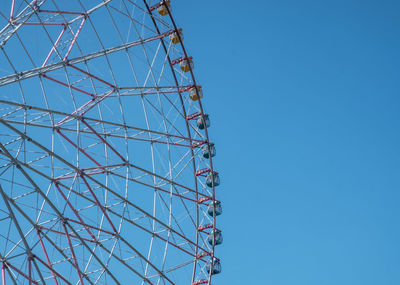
pixel 106 166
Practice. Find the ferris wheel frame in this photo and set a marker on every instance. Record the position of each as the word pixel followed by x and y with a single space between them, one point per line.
pixel 201 200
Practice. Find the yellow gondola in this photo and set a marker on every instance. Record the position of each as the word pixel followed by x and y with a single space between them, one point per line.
pixel 186 64
pixel 174 38
pixel 162 9
pixel 195 94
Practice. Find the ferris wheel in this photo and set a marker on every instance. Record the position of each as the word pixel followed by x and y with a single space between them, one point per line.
pixel 106 171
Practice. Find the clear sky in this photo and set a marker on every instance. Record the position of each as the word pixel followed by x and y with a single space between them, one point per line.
pixel 304 103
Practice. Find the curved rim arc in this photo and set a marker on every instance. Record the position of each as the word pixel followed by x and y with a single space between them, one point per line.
pixel 202 114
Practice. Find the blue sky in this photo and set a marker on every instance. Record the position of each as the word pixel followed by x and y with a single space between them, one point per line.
pixel 304 103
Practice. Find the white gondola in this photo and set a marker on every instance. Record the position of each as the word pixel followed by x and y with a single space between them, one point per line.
pixel 214 267
pixel 214 207
pixel 215 237
pixel 208 151
pixel 203 122
pixel 212 178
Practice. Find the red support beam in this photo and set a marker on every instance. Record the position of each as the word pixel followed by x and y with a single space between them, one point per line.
pixel 99 205
pixel 42 24
pixel 103 140
pixel 92 76
pixel 3 273
pixel 79 148
pixel 73 253
pixel 75 211
pixel 62 233
pixel 74 39
pixel 62 12
pixel 54 46
pixel 73 176
pixel 68 85
pixel 92 227
pixel 202 171
pixel 52 270
pixel 203 281
pixel 21 273
pixel 47 257
pixel 75 112
pixel 30 268
pixel 12 10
